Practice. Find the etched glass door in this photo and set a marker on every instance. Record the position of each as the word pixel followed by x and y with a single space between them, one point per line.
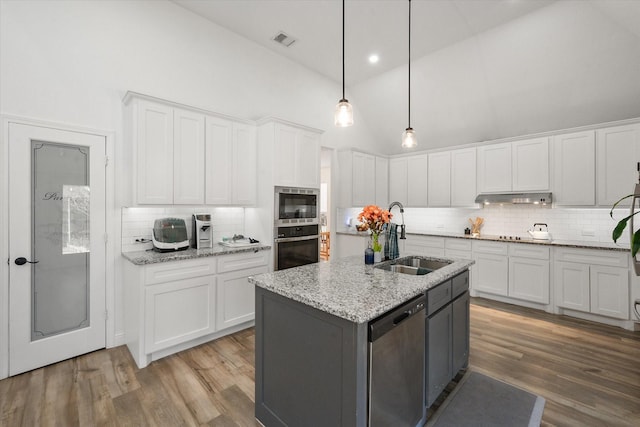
pixel 60 232
pixel 57 247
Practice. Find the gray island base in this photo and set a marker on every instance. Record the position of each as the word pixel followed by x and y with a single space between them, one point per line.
pixel 313 352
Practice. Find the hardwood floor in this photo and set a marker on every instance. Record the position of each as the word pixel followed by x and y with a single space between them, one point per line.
pixel 588 373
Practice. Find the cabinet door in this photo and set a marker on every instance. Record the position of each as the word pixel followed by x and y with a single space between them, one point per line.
pixel 529 279
pixel 244 172
pixel 491 273
pixel 530 165
pixel 438 353
pixel 382 182
pixel 610 291
pixel 188 158
pixel 154 154
pixel 398 180
pixel 307 160
pixel 494 168
pixel 363 179
pixel 346 245
pixel 618 152
pixel 574 169
pixel 218 155
pixel 285 155
pixel 571 283
pixel 463 177
pixel 236 297
pixel 176 312
pixel 417 181
pixel 460 333
pixel 439 179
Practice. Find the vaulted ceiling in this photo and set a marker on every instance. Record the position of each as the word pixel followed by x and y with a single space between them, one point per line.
pixel 481 69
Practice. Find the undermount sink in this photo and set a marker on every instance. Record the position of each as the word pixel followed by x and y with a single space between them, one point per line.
pixel 413 265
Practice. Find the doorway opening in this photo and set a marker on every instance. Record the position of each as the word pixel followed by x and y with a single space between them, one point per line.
pixel 325 203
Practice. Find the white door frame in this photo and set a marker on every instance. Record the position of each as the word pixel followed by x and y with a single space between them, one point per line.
pixel 112 222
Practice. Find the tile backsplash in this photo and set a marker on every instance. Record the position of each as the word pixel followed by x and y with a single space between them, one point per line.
pixel 137 223
pixel 592 225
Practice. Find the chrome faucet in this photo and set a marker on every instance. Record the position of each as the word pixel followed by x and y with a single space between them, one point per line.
pixel 402 231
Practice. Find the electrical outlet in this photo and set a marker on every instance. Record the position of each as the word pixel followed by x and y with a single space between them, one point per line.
pixel 589 233
pixel 440 226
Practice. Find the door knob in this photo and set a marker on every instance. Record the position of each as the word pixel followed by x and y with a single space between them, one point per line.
pixel 23 261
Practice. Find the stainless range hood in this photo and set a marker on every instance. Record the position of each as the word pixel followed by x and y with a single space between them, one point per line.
pixel 515 198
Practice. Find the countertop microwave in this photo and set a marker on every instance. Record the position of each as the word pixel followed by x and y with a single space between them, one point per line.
pixel 296 206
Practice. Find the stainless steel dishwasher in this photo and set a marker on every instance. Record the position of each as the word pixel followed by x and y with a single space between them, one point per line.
pixel 396 366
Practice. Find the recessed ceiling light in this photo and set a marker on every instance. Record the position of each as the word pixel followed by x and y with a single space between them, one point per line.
pixel 373 58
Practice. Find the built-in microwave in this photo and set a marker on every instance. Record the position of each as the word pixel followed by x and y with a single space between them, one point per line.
pixel 296 206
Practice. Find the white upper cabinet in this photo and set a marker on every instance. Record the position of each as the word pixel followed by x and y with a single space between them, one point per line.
pixel 618 153
pixel 188 157
pixel 417 180
pixel 363 179
pixel 463 177
pixel 245 160
pixel 382 181
pixel 296 156
pixel 494 168
pixel 152 128
pixel 184 156
pixel 439 179
pixel 231 154
pixel 514 166
pixel 398 180
pixel 574 169
pixel 530 164
pixel 218 151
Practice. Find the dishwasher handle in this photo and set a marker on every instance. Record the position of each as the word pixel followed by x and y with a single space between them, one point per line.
pixel 399 319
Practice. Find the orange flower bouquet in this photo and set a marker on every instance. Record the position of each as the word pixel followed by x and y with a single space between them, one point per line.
pixel 373 219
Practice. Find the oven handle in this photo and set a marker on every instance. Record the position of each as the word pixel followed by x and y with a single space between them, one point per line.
pixel 296 239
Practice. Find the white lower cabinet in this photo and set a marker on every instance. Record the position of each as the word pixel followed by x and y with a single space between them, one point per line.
pixel 424 245
pixel 236 297
pixel 171 306
pixel 179 311
pixel 529 272
pixel 457 248
pixel 592 281
pixel 491 270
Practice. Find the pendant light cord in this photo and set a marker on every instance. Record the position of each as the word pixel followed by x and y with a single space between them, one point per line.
pixel 343 49
pixel 409 97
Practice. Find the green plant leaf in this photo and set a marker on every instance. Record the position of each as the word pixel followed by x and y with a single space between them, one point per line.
pixel 617 232
pixel 635 243
pixel 617 203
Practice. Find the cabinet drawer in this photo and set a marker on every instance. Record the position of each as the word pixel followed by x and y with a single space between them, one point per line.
pixel 592 256
pixel 496 248
pixel 528 251
pixel 178 270
pixel 426 241
pixel 242 260
pixel 459 284
pixel 454 253
pixel 458 244
pixel 438 297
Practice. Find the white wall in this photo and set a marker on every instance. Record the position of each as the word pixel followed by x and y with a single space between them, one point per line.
pixel 71 62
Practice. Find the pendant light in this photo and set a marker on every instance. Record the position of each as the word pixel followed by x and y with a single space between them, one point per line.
pixel 409 135
pixel 344 112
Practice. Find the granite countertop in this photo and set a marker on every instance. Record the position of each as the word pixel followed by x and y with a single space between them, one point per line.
pixel 349 289
pixel 609 246
pixel 152 257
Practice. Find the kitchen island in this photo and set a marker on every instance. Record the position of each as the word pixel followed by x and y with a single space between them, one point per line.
pixel 312 349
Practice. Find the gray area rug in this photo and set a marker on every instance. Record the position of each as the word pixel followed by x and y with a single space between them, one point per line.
pixel 479 400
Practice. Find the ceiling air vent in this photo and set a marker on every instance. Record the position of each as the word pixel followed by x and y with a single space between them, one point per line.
pixel 284 39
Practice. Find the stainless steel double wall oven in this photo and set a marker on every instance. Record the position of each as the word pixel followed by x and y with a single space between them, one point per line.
pixel 296 228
